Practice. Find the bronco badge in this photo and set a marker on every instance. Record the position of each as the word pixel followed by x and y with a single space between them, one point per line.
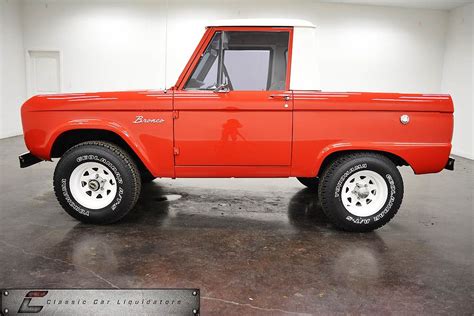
pixel 139 119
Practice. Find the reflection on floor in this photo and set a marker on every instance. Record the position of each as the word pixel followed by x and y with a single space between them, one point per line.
pixel 253 246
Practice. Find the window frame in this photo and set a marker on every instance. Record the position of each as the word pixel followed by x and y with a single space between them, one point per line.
pixel 209 35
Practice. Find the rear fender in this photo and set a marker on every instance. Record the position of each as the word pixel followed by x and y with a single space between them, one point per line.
pixel 421 157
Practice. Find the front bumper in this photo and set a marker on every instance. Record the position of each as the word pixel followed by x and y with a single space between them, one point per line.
pixel 27 159
pixel 450 164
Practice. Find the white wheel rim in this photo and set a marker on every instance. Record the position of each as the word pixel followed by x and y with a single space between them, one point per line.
pixel 364 193
pixel 93 185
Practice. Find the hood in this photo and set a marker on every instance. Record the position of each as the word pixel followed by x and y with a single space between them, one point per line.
pixel 101 101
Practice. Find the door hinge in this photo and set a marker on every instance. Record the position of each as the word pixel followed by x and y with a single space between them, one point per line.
pixel 175 115
pixel 175 151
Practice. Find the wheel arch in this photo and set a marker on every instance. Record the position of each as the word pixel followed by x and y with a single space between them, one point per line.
pixel 330 156
pixel 71 137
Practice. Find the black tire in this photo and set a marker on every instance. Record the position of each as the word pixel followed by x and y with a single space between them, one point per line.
pixel 311 183
pixel 124 171
pixel 339 171
pixel 146 176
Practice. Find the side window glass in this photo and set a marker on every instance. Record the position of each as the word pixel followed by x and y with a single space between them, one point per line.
pixel 247 69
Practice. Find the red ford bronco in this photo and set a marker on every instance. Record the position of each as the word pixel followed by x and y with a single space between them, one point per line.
pixel 247 104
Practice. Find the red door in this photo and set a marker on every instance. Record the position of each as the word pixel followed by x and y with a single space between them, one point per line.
pixel 233 103
pixel 235 128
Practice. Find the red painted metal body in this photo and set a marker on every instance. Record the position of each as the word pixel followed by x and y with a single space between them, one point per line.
pixel 248 133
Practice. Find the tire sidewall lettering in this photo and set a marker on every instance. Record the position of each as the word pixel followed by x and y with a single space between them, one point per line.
pixel 118 199
pixel 69 199
pixel 104 161
pixel 391 199
pixel 344 177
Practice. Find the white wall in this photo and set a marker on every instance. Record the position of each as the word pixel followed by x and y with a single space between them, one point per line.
pixel 12 68
pixel 363 48
pixel 117 45
pixel 109 45
pixel 104 45
pixel 458 77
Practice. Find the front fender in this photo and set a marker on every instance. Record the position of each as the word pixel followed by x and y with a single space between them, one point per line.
pixel 41 137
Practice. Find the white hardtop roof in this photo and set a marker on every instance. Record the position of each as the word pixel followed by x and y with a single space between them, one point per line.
pixel 262 22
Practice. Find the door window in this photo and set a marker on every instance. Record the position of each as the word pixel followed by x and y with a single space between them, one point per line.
pixel 245 61
pixel 248 69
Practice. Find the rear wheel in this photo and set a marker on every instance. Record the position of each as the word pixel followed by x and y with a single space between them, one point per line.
pixel 361 192
pixel 97 182
pixel 311 183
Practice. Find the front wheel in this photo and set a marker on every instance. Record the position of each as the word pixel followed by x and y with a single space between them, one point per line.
pixel 361 192
pixel 97 182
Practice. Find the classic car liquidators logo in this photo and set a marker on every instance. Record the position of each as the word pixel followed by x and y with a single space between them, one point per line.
pixel 25 306
pixel 106 301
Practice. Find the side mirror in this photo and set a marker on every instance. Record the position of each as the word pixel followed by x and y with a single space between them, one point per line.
pixel 222 88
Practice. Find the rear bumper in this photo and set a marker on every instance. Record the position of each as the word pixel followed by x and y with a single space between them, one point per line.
pixel 450 164
pixel 27 159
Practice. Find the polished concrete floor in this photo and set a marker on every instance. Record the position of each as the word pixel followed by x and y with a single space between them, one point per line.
pixel 253 246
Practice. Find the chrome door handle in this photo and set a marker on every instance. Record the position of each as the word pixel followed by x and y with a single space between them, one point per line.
pixel 280 97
